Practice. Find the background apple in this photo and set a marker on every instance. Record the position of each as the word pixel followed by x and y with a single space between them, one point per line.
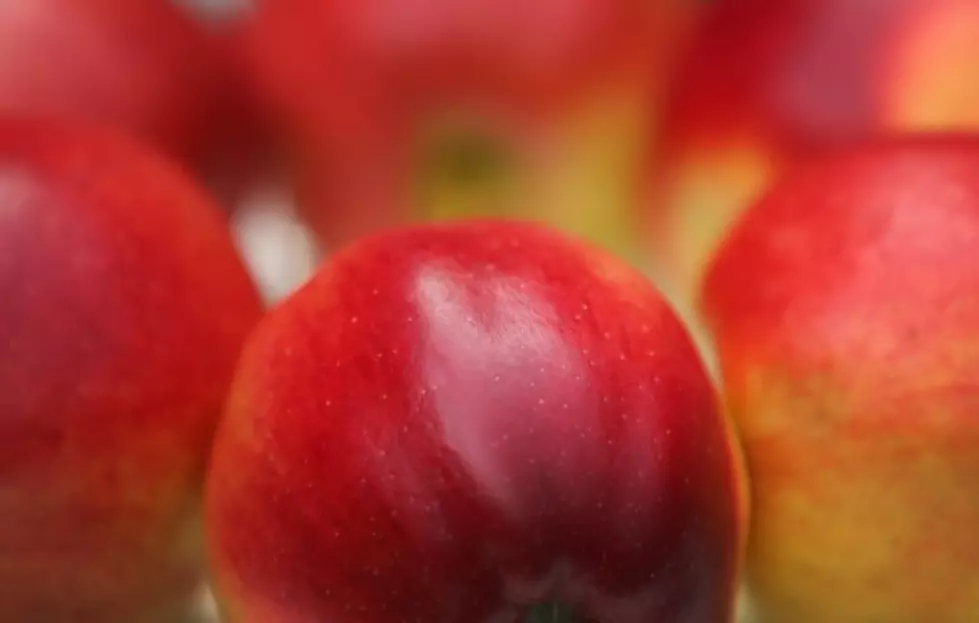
pixel 141 66
pixel 122 308
pixel 465 422
pixel 845 310
pixel 400 110
pixel 769 83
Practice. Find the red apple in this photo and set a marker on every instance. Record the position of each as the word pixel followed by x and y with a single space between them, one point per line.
pixel 467 422
pixel 123 305
pixel 417 109
pixel 767 84
pixel 140 65
pixel 845 310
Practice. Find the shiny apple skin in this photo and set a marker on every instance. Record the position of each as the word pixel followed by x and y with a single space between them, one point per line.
pixel 451 423
pixel 123 307
pixel 845 311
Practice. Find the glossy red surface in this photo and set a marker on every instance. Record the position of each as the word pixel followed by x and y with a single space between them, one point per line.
pixel 453 423
pixel 122 308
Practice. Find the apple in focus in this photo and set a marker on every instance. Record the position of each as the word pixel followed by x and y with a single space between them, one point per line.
pixel 123 306
pixel 845 311
pixel 474 421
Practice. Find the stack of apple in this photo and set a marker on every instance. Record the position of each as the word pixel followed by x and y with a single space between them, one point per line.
pixel 814 205
pixel 597 476
pixel 489 419
pixel 454 423
pixel 123 302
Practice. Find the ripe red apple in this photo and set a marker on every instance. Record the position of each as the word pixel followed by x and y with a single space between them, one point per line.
pixel 767 84
pixel 476 421
pixel 845 310
pixel 402 110
pixel 143 66
pixel 123 305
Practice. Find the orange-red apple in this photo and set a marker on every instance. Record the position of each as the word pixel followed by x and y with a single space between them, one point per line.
pixel 401 110
pixel 845 310
pixel 766 84
pixel 123 305
pixel 477 421
pixel 143 66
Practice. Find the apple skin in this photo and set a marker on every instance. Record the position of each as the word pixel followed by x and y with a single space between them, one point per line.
pixel 767 84
pixel 145 67
pixel 123 307
pixel 456 421
pixel 380 97
pixel 845 311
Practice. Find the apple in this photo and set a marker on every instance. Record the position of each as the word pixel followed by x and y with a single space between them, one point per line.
pixel 143 66
pixel 405 110
pixel 123 306
pixel 474 421
pixel 766 85
pixel 845 311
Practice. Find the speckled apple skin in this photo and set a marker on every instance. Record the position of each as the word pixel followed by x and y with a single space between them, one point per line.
pixel 452 422
pixel 767 84
pixel 845 311
pixel 364 89
pixel 123 306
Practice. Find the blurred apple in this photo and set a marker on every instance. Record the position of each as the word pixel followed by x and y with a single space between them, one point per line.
pixel 845 310
pixel 143 66
pixel 769 83
pixel 404 110
pixel 123 305
pixel 474 422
